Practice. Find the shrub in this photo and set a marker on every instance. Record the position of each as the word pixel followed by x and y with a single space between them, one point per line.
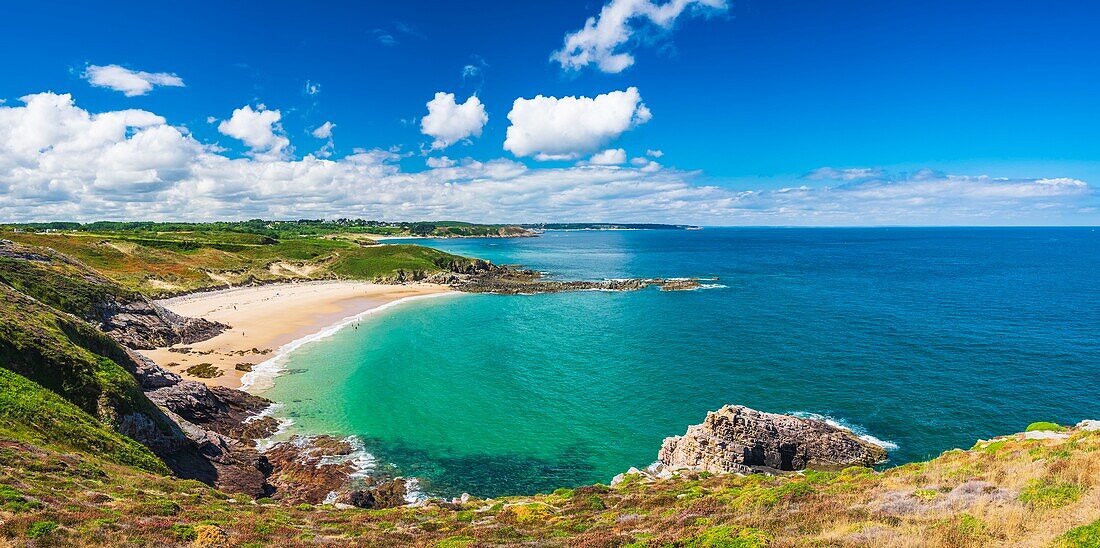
pixel 729 537
pixel 14 501
pixel 456 542
pixel 1085 536
pixel 161 507
pixel 209 535
pixel 1040 494
pixel 1045 427
pixel 183 532
pixel 41 528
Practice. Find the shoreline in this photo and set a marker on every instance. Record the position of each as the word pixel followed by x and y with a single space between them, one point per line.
pixel 267 321
pixel 264 373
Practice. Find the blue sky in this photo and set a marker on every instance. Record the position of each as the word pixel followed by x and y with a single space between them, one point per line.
pixel 926 112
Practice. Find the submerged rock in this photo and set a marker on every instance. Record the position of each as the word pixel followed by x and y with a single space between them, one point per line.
pixel 307 469
pixel 743 440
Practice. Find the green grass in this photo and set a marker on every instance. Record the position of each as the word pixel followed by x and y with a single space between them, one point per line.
pixel 40 529
pixel 1043 494
pixel 1085 536
pixel 32 414
pixel 1045 427
pixel 172 263
pixel 728 537
pixel 69 357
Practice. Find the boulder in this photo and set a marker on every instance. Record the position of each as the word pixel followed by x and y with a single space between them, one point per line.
pixel 742 440
pixel 389 494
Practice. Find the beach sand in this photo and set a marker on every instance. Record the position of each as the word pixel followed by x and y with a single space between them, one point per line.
pixel 264 318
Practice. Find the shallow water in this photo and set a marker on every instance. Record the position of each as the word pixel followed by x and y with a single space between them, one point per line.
pixel 925 338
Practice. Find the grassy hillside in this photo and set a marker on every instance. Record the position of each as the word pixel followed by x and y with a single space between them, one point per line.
pixel 1038 492
pixel 163 263
pixel 67 356
pixel 32 414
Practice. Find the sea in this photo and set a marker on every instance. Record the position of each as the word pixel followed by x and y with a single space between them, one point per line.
pixel 918 339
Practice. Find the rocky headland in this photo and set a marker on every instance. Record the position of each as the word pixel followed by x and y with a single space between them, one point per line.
pixel 738 439
pixel 486 277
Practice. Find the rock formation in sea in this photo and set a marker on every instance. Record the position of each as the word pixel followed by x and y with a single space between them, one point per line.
pixel 743 440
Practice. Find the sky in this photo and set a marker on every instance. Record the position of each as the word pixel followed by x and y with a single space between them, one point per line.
pixel 714 112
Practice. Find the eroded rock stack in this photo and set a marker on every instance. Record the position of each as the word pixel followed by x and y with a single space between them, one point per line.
pixel 743 440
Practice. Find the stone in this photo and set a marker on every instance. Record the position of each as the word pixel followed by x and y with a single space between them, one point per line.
pixel 736 439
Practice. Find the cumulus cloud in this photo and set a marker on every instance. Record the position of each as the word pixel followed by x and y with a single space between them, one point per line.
pixel 59 161
pixel 604 38
pixel 129 82
pixel 654 153
pixel 609 157
pixel 450 122
pixel 323 131
pixel 442 161
pixel 260 130
pixel 550 128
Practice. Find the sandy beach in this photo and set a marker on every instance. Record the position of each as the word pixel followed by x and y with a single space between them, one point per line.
pixel 264 318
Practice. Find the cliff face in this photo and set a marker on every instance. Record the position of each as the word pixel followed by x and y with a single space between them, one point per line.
pixel 739 439
pixel 142 324
pixel 71 286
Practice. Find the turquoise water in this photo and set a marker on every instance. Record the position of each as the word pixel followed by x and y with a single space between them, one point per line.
pixel 926 338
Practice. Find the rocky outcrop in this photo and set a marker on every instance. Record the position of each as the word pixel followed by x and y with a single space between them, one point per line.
pixel 321 469
pixel 231 413
pixel 743 440
pixel 307 469
pixel 142 324
pixel 510 281
pixel 388 494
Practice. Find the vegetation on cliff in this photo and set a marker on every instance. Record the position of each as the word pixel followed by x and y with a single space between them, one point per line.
pixel 1039 491
pixel 166 262
pixel 71 359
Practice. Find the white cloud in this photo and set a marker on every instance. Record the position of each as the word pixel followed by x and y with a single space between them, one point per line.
pixel 59 161
pixel 609 157
pixel 323 131
pixel 311 88
pixel 849 174
pixel 449 122
pixel 654 153
pixel 550 128
pixel 129 82
pixel 645 164
pixel 603 38
pixel 259 129
pixel 440 162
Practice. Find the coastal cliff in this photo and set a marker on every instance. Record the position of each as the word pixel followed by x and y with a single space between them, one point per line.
pixel 99 446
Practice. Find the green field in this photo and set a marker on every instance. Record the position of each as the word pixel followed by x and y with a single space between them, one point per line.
pixel 168 259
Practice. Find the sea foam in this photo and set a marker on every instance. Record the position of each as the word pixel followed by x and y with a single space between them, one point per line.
pixel 856 429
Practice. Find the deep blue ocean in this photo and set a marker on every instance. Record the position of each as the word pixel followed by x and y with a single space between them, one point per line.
pixel 924 338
